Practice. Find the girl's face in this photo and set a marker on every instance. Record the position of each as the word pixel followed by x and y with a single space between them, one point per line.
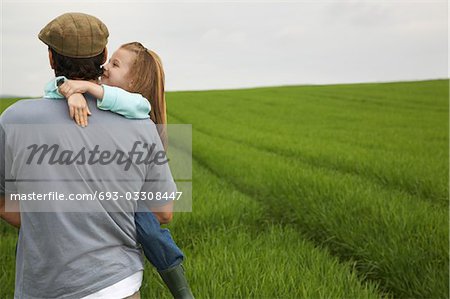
pixel 117 70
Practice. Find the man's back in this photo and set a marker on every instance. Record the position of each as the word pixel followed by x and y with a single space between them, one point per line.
pixel 96 239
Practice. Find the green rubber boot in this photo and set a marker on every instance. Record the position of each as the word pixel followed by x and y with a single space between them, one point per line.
pixel 176 282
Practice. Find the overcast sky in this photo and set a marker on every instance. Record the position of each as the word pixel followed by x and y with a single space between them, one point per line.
pixel 228 44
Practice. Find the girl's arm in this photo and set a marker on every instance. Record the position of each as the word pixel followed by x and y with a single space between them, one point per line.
pixel 130 105
pixel 78 108
pixel 69 87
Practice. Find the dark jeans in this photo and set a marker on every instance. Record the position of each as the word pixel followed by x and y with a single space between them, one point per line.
pixel 157 243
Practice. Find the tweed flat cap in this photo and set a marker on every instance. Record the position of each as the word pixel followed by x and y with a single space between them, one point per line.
pixel 75 35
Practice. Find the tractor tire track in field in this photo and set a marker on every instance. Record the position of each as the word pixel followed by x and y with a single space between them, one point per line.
pixel 367 266
pixel 263 223
pixel 330 242
pixel 375 102
pixel 432 199
pixel 402 287
pixel 362 102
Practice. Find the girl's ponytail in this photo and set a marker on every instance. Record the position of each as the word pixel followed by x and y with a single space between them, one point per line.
pixel 158 112
pixel 147 77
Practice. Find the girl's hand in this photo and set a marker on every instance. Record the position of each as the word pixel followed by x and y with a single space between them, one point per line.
pixel 69 87
pixel 78 109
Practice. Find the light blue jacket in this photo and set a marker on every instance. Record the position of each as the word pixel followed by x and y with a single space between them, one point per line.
pixel 117 100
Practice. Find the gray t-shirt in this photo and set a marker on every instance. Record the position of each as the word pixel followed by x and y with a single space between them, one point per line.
pixel 64 254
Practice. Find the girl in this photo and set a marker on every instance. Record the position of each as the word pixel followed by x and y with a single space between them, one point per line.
pixel 133 86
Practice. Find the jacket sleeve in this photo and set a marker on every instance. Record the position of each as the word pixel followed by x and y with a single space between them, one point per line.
pixel 51 89
pixel 130 105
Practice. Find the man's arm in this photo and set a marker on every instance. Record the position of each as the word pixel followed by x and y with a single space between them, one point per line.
pixel 12 218
pixel 164 214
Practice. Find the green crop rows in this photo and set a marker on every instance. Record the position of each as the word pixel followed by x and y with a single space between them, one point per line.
pixel 337 191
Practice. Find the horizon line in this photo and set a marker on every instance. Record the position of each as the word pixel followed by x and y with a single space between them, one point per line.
pixel 7 96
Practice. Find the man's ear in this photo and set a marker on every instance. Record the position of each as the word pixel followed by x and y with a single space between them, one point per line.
pixel 50 59
pixel 105 57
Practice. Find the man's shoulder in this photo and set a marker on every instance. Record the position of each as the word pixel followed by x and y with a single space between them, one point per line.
pixel 42 110
pixel 21 110
pixel 22 102
pixel 31 102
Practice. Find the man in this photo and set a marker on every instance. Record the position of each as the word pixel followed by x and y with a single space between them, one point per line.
pixel 76 248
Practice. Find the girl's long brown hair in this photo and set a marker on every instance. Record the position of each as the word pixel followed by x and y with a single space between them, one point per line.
pixel 147 75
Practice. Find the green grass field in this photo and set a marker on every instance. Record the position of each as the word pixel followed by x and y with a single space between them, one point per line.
pixel 337 191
